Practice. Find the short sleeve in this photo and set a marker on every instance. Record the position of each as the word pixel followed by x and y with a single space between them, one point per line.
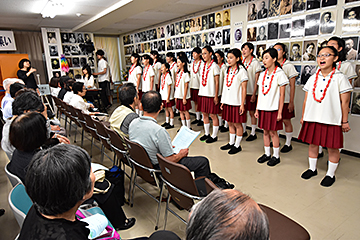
pixel 151 71
pixel 282 78
pixel 258 67
pixel 349 71
pixel 307 86
pixel 291 71
pixel 168 80
pixel 344 84
pixel 186 77
pixel 164 143
pixel 216 70
pixel 261 76
pixel 243 75
pixel 138 70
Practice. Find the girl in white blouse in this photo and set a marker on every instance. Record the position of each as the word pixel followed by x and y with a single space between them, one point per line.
pixel 195 83
pixel 221 62
pixel 325 113
pixel 135 75
pixel 87 78
pixel 147 79
pixel 157 67
pixel 167 95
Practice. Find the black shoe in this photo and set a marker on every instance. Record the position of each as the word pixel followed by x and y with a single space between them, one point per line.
pixel 169 126
pixel 327 181
pixel 165 124
pixel 211 140
pixel 200 123
pixel 2 212
pixel 320 155
pixel 245 134
pixel 128 224
pixel 251 138
pixel 263 158
pixel 195 121
pixel 204 137
pixel 273 161
pixel 226 147
pixel 286 149
pixel 309 174
pixel 234 150
pixel 223 129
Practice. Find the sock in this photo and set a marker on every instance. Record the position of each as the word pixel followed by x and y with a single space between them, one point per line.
pixel 267 151
pixel 312 163
pixel 220 121
pixel 198 115
pixel 202 117
pixel 238 140
pixel 226 124
pixel 253 128
pixel 244 127
pixel 173 108
pixel 276 152
pixel 171 121
pixel 137 111
pixel 232 139
pixel 188 123
pixel 167 119
pixel 288 138
pixel 278 132
pixel 141 113
pixel 320 149
pixel 183 123
pixel 331 169
pixel 215 131
pixel 207 128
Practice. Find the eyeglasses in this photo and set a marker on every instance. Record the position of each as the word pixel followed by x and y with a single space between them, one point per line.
pixel 326 55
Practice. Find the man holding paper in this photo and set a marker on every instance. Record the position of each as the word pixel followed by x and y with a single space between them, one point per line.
pixel 155 139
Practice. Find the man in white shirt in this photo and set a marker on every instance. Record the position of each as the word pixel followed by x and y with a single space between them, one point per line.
pixel 103 78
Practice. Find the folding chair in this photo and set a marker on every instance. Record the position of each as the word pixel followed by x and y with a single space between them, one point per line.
pixel 74 118
pixel 91 127
pixel 181 186
pixel 19 202
pixel 12 177
pixel 105 139
pixel 82 121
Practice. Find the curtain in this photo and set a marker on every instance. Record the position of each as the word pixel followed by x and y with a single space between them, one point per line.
pixel 31 44
pixel 110 46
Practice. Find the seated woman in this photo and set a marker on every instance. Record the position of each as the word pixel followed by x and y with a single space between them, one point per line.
pixel 54 86
pixel 69 94
pixel 77 100
pixel 58 181
pixel 87 78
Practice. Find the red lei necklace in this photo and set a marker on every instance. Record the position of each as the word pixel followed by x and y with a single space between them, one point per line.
pixel 327 85
pixel 339 66
pixel 205 76
pixel 145 72
pixel 221 65
pixel 232 78
pixel 178 78
pixel 283 62
pixel 163 77
pixel 172 66
pixel 154 63
pixel 193 67
pixel 263 82
pixel 248 65
pixel 132 68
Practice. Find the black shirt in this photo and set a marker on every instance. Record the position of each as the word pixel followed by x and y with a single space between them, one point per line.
pixel 28 80
pixel 62 93
pixel 38 227
pixel 19 163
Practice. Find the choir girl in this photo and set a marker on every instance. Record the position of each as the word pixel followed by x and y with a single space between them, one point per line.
pixel 171 60
pixel 135 75
pixel 147 79
pixel 156 66
pixel 253 67
pixel 87 78
pixel 209 93
pixel 233 99
pixel 221 62
pixel 195 83
pixel 167 95
pixel 270 104
pixel 182 90
pixel 288 109
pixel 325 113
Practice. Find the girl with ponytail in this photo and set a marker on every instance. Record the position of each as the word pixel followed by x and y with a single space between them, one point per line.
pixel 135 75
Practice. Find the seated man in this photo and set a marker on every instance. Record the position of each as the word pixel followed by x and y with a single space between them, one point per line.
pixel 227 214
pixel 155 139
pixel 7 100
pixel 124 114
pixel 14 88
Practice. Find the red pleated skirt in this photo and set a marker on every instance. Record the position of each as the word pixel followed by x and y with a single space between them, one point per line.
pixel 140 93
pixel 194 94
pixel 250 106
pixel 232 114
pixel 181 107
pixel 286 114
pixel 170 104
pixel 207 105
pixel 325 135
pixel 268 121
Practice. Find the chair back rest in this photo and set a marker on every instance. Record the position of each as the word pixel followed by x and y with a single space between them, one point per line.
pixel 180 177
pixel 100 129
pixel 90 125
pixel 73 114
pixel 118 145
pixel 81 119
pixel 12 177
pixel 139 155
pixel 19 202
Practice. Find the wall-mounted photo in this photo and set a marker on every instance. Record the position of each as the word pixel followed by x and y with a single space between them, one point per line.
pixel 306 72
pixel 51 38
pixel 76 62
pixel 72 38
pixel 351 47
pixel 262 9
pixel 218 38
pixel 327 22
pixel 69 61
pixel 299 5
pixel 329 3
pixel 55 64
pixel 177 28
pixel 252 12
pixel 218 19
pixel 312 4
pixel 273 30
pixel 226 36
pixel 297 79
pixel 298 27
pixel 251 34
pixel 312 22
pixel 204 39
pixel 351 19
pixel 285 28
pixel 356 83
pixel 205 22
pixel 211 20
pixel 355 103
pixel 64 37
pixel 226 17
pixel 285 7
pixel 182 27
pixel 259 51
pixel 295 51
pixel 80 38
pixel 53 51
pixel 192 25
pixel 310 50
pixel 262 33
pixel 211 38
pixel 274 8
pixel 198 24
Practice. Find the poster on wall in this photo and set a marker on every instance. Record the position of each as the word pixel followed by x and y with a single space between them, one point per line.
pixel 295 51
pixel 351 47
pixel 306 72
pixel 355 103
pixel 309 51
pixel 285 28
pixel 298 6
pixel 312 22
pixel 226 17
pixel 285 7
pixel 262 32
pixel 273 30
pixel 351 19
pixel 262 9
pixel 7 41
pixel 252 13
pixel 251 33
pixel 327 22
pixel 356 83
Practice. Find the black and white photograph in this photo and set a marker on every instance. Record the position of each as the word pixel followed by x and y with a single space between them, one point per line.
pixel 274 8
pixel 56 74
pixel 238 35
pixel 351 19
pixel 211 19
pixel 172 29
pixel 355 103
pixel 161 45
pixel 83 62
pixel 295 51
pixel 205 23
pixel 91 61
pixel 259 51
pixel 188 42
pixel 158 32
pixel 312 22
pixel 299 5
pixel 298 27
pixel 312 4
pixel 226 36
pixel 87 37
pixel 252 12
pixel 68 59
pixel 351 47
pixel 162 31
pixel 72 38
pixel 297 78
pixel 64 37
pixel 226 17
pixel 306 72
pixel 169 45
pixel 66 50
pixel 285 28
pixel 182 42
pixel 262 33
pixel 177 43
pixel 211 39
pixel 218 19
pixel 177 29
pixel 328 3
pixel 198 24
pixel 327 22
pixel 251 34
pixel 51 38
pixel 273 30
pixel 285 7
pixel 198 40
pixel 53 51
pixel 74 50
pixel 182 27
pixel 262 9
pixel 218 38
pixel 193 41
pixel 187 26
pixel 55 64
pixel 76 62
pixel 309 53
pixel 356 83
pixel 167 31
pixel 192 25
pixel 204 39
pixel 80 38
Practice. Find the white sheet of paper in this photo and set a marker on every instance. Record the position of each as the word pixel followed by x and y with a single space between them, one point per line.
pixel 184 138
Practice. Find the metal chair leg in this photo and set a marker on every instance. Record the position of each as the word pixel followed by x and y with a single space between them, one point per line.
pixel 131 179
pixel 159 207
pixel 91 149
pixel 75 133
pixel 102 152
pixel 82 137
pixel 166 210
pixel 133 191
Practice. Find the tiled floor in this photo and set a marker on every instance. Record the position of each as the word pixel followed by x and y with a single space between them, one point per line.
pixel 327 213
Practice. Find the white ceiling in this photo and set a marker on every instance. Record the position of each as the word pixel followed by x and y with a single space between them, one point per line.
pixel 138 14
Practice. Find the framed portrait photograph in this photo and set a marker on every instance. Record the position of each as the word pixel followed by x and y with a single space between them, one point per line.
pixel 328 22
pixel 211 19
pixel 68 59
pixel 298 27
pixel 226 36
pixel 51 37
pixel 76 62
pixel 218 38
pixel 192 25
pixel 297 78
pixel 218 19
pixel 198 24
pixel 80 38
pixel 274 8
pixel 172 29
pixel 351 19
pixel 355 103
pixel 198 40
pixel 177 28
pixel 295 51
pixel 285 28
pixel 356 82
pixel 310 50
pixel 205 22
pixel 251 34
pixel 252 11
pixel 187 26
pixel 226 17
pixel 312 22
pixel 273 30
pixel 204 39
pixel 306 72
pixel 262 33
pixel 329 3
pixel 351 47
pixel 259 51
pixel 312 4
pixel 299 6
pixel 262 9
pixel 55 64
pixel 64 37
pixel 211 39
pixel 285 7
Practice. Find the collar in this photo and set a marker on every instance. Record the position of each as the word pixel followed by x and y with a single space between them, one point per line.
pixel 148 118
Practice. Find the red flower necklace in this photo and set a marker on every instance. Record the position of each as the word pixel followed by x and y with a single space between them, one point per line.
pixel 163 77
pixel 283 62
pixel 339 66
pixel 154 63
pixel 178 78
pixel 132 68
pixel 248 65
pixel 145 72
pixel 193 67
pixel 205 76
pixel 232 78
pixel 327 85
pixel 172 66
pixel 263 82
pixel 221 65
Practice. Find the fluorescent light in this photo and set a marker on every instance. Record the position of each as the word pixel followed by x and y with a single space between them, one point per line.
pixel 52 8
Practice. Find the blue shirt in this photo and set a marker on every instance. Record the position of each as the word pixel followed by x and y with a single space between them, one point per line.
pixel 6 105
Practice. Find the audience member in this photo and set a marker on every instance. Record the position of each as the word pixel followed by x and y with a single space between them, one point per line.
pixel 63 81
pixel 77 100
pixel 55 86
pixel 227 214
pixel 7 100
pixel 69 88
pixel 14 88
